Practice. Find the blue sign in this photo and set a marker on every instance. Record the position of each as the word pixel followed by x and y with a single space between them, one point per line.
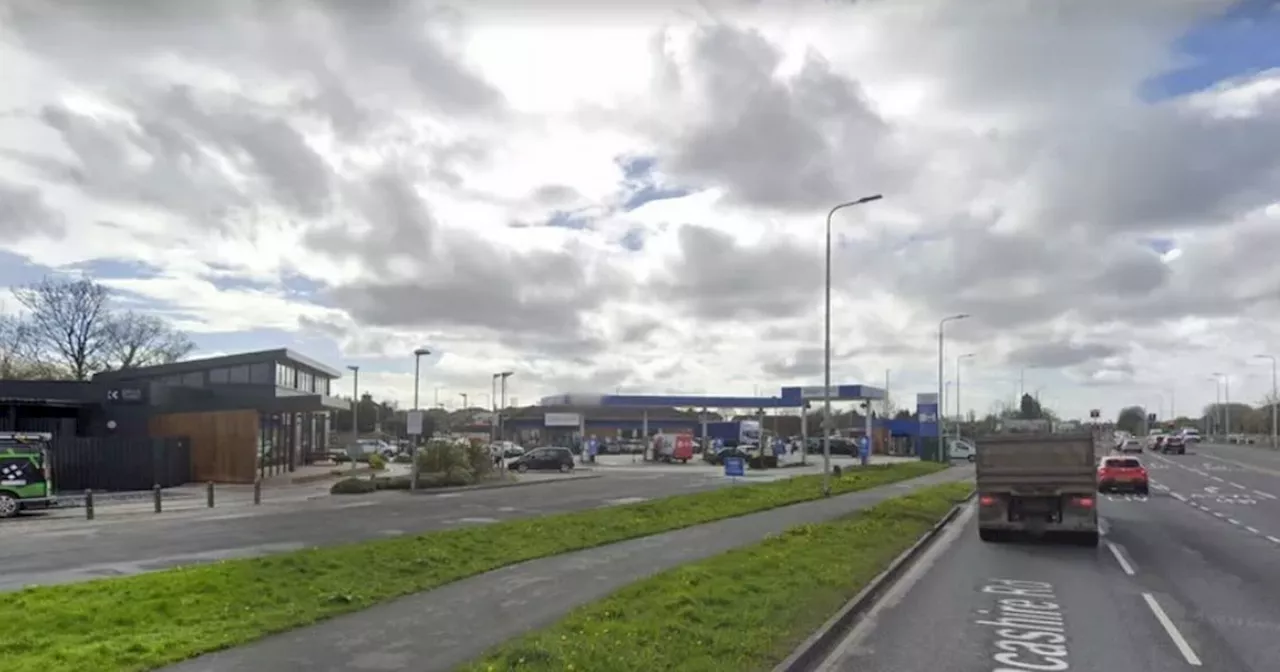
pixel 717 444
pixel 735 466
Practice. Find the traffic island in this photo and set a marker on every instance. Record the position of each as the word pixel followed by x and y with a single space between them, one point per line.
pixel 743 610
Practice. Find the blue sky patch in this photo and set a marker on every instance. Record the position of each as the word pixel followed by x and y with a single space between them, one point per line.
pixel 569 220
pixel 634 239
pixel 649 193
pixel 1241 41
pixel 1161 246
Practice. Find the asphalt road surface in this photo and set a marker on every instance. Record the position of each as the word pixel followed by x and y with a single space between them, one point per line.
pixel 57 555
pixel 1186 579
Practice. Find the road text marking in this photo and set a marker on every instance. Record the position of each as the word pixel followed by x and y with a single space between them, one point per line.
pixel 1030 627
pixel 1172 630
pixel 1124 564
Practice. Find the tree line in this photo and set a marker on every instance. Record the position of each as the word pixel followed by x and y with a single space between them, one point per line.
pixel 1243 418
pixel 71 328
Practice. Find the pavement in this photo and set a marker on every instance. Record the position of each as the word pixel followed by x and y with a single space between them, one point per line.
pixel 46 551
pixel 1188 578
pixel 442 629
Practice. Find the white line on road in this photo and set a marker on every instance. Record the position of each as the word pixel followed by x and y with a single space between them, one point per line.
pixel 1178 640
pixel 1273 539
pixel 1237 485
pixel 1233 521
pixel 1219 514
pixel 1219 479
pixel 1252 529
pixel 1178 497
pixel 1264 494
pixel 1124 564
pixel 354 505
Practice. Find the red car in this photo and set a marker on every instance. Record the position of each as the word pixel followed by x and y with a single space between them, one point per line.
pixel 1123 473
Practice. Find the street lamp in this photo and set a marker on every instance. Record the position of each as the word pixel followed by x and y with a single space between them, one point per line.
pixel 942 454
pixel 502 405
pixel 355 413
pixel 826 359
pixel 959 411
pixel 1274 401
pixel 465 403
pixel 1217 404
pixel 493 407
pixel 417 439
pixel 1225 379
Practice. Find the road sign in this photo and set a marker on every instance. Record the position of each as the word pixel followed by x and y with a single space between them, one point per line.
pixel 735 467
pixel 1095 413
pixel 415 422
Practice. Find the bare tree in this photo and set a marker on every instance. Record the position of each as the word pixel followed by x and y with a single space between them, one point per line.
pixel 67 324
pixel 135 339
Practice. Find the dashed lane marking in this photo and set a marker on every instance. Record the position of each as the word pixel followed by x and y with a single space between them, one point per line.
pixel 1172 630
pixel 1233 521
pixel 1252 529
pixel 1179 497
pixel 1237 485
pixel 1273 539
pixel 1219 479
pixel 1124 563
pixel 1264 494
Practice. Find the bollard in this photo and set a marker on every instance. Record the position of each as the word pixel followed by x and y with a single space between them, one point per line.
pixel 211 494
pixel 157 495
pixel 257 491
pixel 88 504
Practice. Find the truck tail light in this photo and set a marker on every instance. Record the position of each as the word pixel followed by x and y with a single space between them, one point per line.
pixel 1082 502
pixel 986 500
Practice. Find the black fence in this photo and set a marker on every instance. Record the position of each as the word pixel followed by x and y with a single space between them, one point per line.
pixel 119 463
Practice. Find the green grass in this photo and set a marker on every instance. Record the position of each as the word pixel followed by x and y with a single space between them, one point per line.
pixel 146 621
pixel 743 610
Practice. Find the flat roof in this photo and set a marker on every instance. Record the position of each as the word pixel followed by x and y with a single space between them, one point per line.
pixel 788 397
pixel 241 358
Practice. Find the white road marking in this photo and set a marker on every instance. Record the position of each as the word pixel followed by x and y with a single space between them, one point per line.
pixel 1264 494
pixel 1103 526
pixel 1252 529
pixel 1203 508
pixel 1237 485
pixel 1124 564
pixel 1273 539
pixel 354 505
pixel 1233 521
pixel 1178 497
pixel 1219 479
pixel 1219 514
pixel 1172 630
pixel 447 495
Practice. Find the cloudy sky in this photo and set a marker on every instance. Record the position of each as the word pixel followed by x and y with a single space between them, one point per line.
pixel 633 198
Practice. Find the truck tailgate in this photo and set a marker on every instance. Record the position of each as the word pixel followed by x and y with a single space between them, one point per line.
pixel 1036 463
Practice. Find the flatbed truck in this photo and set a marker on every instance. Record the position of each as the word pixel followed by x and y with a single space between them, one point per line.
pixel 1038 484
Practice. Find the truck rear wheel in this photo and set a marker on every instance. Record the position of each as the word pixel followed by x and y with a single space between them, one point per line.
pixel 990 535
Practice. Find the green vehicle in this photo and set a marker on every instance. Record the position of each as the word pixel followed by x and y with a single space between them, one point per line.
pixel 25 478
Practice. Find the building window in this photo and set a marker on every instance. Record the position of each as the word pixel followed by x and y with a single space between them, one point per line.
pixel 195 379
pixel 260 374
pixel 238 374
pixel 286 376
pixel 305 381
pixel 219 376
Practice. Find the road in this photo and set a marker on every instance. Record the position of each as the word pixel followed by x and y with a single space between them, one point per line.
pixel 1186 579
pixel 88 551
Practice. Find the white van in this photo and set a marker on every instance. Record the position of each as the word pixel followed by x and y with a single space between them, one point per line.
pixel 960 449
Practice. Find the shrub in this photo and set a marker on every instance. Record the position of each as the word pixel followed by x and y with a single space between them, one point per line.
pixel 402 458
pixel 393 482
pixel 353 486
pixel 377 462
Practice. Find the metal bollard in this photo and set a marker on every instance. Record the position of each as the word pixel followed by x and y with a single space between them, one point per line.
pixel 157 495
pixel 257 491
pixel 88 504
pixel 211 494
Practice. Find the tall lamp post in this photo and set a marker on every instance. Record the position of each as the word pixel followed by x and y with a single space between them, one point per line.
pixel 417 440
pixel 355 413
pixel 502 405
pixel 1217 405
pixel 959 410
pixel 942 454
pixel 826 359
pixel 1274 401
pixel 493 408
pixel 1225 379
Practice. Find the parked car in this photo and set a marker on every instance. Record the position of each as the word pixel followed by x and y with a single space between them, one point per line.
pixel 547 458
pixel 717 457
pixel 1123 473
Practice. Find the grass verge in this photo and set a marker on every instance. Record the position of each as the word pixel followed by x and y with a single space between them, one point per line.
pixel 146 621
pixel 743 610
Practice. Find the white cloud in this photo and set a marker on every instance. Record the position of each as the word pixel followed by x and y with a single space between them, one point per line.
pixel 409 161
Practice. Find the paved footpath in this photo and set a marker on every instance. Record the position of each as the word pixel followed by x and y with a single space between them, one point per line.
pixel 441 629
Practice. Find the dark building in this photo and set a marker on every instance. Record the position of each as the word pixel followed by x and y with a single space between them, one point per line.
pixel 244 416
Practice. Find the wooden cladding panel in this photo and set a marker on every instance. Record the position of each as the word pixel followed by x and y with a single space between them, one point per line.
pixel 224 444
